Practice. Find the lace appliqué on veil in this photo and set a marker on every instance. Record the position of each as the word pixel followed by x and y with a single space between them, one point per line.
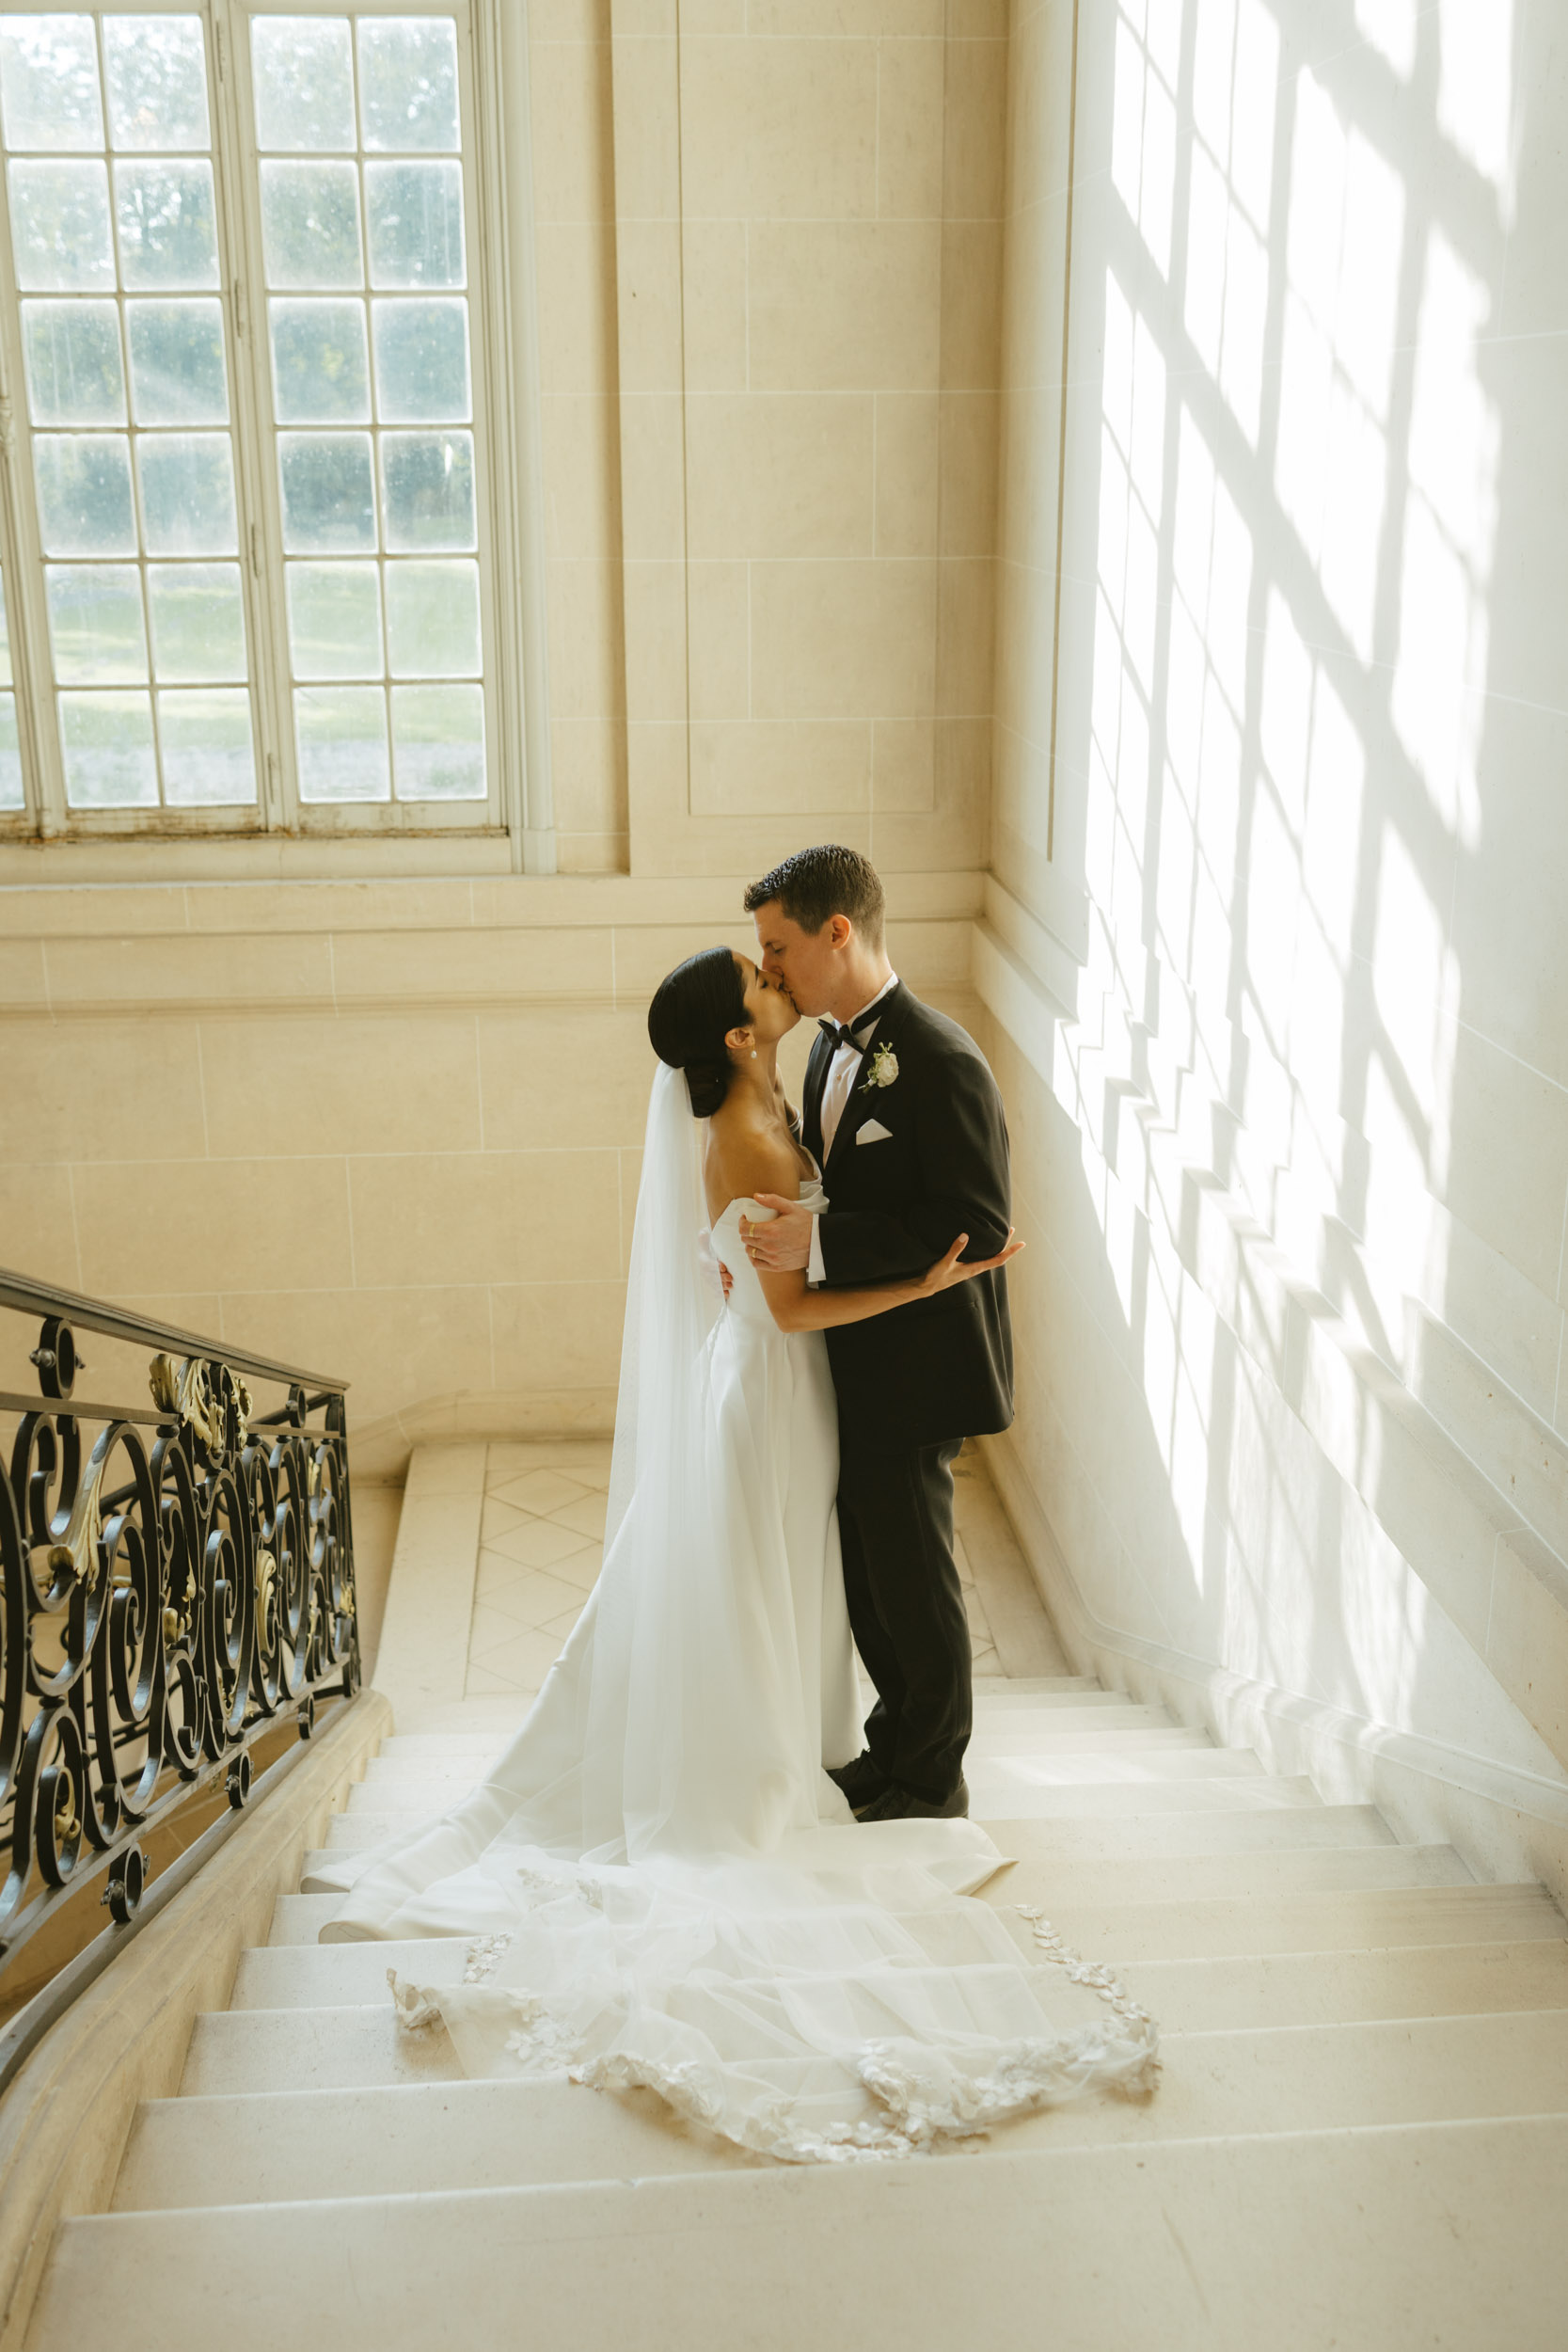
pixel 543 2044
pixel 484 1956
pixel 1093 1973
pixel 926 2093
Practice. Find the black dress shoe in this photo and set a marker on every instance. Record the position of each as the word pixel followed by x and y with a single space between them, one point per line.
pixel 862 1782
pixel 902 1804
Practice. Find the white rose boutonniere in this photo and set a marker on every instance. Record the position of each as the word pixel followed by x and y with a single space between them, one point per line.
pixel 880 1069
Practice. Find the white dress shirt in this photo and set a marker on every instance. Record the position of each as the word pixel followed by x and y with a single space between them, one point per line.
pixel 835 1094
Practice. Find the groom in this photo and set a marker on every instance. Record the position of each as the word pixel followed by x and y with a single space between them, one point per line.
pixel 904 1118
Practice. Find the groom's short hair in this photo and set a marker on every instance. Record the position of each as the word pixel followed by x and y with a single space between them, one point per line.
pixel 816 885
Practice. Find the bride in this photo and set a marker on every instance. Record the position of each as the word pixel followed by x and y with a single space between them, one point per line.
pixel 665 1886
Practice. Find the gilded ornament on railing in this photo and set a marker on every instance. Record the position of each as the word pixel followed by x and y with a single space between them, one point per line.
pixel 266 1577
pixel 168 1595
pixel 77 1549
pixel 186 1389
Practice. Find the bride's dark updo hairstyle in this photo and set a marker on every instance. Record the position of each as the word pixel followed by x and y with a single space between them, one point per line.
pixel 693 1011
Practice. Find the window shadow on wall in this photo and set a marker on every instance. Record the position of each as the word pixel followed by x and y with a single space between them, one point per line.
pixel 1318 1059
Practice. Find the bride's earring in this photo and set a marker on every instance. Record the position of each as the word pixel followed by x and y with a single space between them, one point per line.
pixel 753 1053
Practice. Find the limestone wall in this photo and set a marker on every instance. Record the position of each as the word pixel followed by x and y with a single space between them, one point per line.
pixel 769 245
pixel 390 1131
pixel 390 1128
pixel 1282 1008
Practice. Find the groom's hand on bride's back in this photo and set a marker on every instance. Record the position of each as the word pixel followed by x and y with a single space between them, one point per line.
pixel 947 1271
pixel 783 1244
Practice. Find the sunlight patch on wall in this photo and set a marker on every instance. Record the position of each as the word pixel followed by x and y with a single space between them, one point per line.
pixel 1475 88
pixel 1295 536
pixel 1391 27
pixel 1449 533
pixel 1205 702
pixel 1235 74
pixel 1410 1088
pixel 1143 124
pixel 1343 248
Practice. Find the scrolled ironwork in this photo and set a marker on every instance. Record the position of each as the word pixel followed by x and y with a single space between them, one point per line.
pixel 174 1583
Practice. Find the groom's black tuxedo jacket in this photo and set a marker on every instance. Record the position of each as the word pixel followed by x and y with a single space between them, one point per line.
pixel 943 1367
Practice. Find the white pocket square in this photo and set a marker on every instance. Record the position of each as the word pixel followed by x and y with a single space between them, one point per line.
pixel 873 1132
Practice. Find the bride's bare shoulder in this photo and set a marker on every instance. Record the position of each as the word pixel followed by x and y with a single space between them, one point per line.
pixel 748 1153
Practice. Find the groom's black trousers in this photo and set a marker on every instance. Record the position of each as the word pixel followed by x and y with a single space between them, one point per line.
pixel 907 1612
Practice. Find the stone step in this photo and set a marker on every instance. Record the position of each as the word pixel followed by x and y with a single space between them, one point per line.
pixel 995 1715
pixel 1073 1688
pixel 394 2139
pixel 441 1744
pixel 1224 1926
pixel 298 1918
pixel 437 1780
pixel 1067 1883
pixel 1299 1971
pixel 1185 1820
pixel 1340 1988
pixel 999 1788
pixel 412 1800
pixel 271 2145
pixel 1020 1737
pixel 305 2049
pixel 997 1797
pixel 351 1833
pixel 407 1776
pixel 1441 2234
pixel 1195 1827
pixel 499 1715
pixel 1174 1927
pixel 994 1699
pixel 1126 1765
pixel 342 1976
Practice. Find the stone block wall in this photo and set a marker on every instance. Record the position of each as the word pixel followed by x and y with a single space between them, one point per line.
pixel 1274 944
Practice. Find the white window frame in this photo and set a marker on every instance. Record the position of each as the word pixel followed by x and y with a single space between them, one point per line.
pixel 505 428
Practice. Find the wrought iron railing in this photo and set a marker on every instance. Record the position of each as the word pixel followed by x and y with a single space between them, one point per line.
pixel 175 1581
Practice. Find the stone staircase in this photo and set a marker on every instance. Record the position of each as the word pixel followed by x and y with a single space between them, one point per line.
pixel 1360 2140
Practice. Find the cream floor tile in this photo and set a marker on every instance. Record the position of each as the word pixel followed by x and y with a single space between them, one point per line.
pixel 966 1572
pixel 529 1598
pixel 489 1629
pixel 524 1661
pixel 537 1543
pixel 559 1629
pixel 984 1660
pixel 482 1684
pixel 497 1517
pixel 581 1569
pixel 586 1516
pixel 541 1490
pixel 495 1570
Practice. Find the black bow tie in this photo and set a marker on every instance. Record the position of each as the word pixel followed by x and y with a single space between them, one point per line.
pixel 849 1033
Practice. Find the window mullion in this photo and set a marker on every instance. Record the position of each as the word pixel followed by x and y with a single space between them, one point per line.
pixel 22 555
pixel 261 558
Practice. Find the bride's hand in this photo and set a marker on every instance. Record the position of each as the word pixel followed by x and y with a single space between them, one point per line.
pixel 947 1271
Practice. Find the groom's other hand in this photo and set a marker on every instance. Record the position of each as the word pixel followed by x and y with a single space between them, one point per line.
pixel 783 1246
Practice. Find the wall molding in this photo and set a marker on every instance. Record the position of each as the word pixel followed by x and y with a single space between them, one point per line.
pixel 262 952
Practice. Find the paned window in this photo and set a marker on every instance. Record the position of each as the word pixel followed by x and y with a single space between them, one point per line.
pixel 245 550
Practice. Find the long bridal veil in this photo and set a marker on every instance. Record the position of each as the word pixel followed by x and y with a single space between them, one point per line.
pixel 661 1885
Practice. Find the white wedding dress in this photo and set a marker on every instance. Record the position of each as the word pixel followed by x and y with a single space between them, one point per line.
pixel 662 1884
